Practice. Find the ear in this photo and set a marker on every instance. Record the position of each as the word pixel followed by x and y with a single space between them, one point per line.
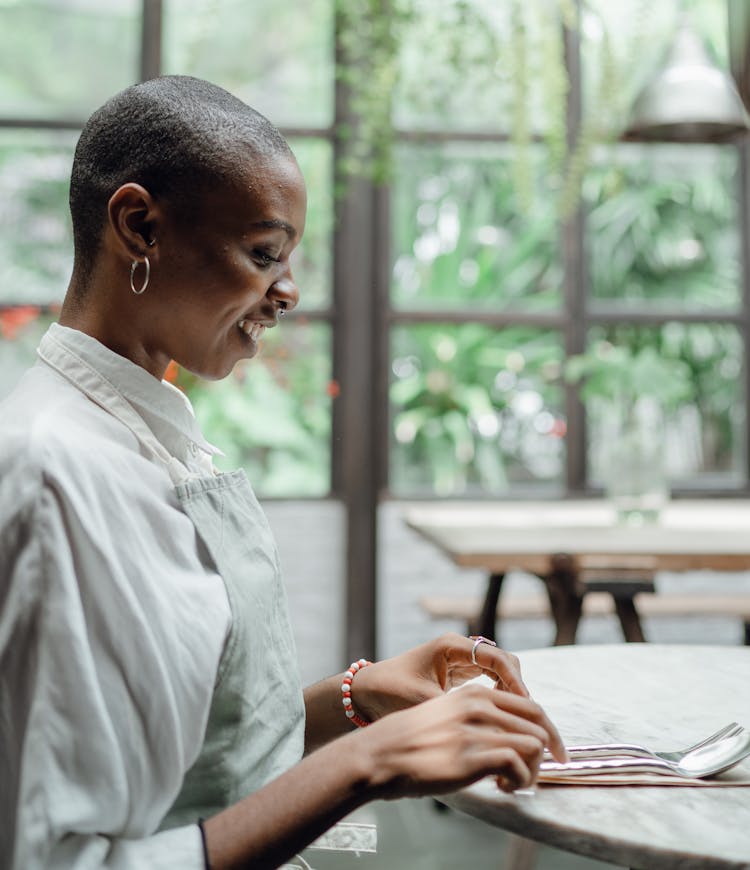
pixel 134 218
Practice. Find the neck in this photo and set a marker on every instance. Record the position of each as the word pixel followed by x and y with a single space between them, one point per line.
pixel 113 317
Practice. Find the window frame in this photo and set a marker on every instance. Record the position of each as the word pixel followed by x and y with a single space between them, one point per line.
pixel 362 316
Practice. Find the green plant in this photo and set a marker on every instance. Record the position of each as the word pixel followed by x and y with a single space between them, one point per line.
pixel 514 51
pixel 623 376
pixel 273 415
pixel 475 409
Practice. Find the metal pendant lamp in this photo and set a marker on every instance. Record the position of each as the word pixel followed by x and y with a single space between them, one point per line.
pixel 690 99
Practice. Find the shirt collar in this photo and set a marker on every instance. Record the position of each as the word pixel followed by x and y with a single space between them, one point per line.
pixel 165 409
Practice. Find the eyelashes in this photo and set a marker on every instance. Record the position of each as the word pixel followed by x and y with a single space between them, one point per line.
pixel 264 258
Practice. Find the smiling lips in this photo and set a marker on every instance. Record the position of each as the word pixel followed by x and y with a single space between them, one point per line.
pixel 252 329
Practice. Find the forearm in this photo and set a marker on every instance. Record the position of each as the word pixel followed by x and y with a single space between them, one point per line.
pixel 324 713
pixel 270 826
pixel 374 695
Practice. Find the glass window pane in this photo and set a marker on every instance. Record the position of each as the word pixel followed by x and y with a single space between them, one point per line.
pixel 64 59
pixel 311 260
pixel 280 61
pixel 36 245
pixel 475 410
pixel 272 416
pixel 460 238
pixel 486 60
pixel 663 227
pixel 704 435
pixel 644 30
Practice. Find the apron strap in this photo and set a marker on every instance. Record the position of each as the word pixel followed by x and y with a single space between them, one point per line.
pixel 100 391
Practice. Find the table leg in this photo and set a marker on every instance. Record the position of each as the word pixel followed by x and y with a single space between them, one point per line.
pixel 520 853
pixel 484 622
pixel 632 629
pixel 565 597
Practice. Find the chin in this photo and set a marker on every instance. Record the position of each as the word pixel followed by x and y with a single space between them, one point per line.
pixel 220 369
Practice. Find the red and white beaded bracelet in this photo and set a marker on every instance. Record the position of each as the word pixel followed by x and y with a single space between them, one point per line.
pixel 346 691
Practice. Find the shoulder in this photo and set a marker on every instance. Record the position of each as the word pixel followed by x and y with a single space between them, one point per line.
pixel 53 436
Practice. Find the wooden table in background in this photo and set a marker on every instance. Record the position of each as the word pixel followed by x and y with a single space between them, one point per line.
pixel 567 542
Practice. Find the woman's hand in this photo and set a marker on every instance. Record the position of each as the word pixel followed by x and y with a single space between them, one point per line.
pixel 430 670
pixel 422 674
pixel 453 740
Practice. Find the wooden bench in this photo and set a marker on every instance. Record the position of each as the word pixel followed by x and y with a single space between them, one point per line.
pixel 595 603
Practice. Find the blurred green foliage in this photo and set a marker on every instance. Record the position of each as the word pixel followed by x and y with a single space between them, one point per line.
pixel 474 408
pixel 622 375
pixel 279 59
pixel 706 420
pixel 461 240
pixel 662 226
pixel 36 240
pixel 663 230
pixel 272 415
pixel 63 58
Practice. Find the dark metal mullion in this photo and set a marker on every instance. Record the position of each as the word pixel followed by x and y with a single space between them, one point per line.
pixel 327 132
pixel 339 283
pixel 575 285
pixel 42 123
pixel 354 428
pixel 743 155
pixel 151 30
pixel 560 321
pixel 425 137
pixel 659 318
pixel 498 319
pixel 381 321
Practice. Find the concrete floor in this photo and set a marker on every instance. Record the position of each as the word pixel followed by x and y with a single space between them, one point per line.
pixel 417 835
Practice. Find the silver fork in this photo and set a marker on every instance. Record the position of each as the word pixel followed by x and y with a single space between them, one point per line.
pixel 595 750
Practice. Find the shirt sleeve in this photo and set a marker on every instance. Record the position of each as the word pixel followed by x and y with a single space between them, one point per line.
pixel 108 655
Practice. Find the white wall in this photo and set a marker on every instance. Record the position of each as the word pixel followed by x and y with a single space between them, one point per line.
pixel 310 537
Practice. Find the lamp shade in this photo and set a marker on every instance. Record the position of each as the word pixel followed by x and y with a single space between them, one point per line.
pixel 689 99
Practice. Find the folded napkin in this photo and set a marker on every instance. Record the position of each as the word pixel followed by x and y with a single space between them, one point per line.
pixel 737 776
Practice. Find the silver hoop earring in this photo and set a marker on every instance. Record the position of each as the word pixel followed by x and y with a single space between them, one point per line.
pixel 133 267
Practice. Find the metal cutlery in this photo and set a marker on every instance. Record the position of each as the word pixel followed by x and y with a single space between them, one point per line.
pixel 595 750
pixel 703 761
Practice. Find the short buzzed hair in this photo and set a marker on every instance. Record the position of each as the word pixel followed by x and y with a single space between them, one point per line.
pixel 175 135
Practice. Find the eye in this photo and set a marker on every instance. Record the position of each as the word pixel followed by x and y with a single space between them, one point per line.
pixel 264 258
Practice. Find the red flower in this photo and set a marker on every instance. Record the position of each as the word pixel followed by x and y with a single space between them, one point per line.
pixel 559 428
pixel 333 389
pixel 172 371
pixel 13 320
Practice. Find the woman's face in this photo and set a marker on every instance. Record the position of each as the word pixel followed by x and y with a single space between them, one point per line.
pixel 223 274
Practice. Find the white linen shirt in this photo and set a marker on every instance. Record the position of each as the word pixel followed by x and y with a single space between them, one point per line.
pixel 112 623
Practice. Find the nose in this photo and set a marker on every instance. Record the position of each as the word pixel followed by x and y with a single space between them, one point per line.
pixel 284 293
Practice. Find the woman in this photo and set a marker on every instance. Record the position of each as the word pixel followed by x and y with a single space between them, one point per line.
pixel 148 678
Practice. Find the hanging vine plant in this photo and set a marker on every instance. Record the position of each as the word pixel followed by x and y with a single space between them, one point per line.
pixel 515 48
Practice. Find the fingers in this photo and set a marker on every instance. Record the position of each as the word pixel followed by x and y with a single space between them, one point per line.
pixel 465 658
pixel 501 666
pixel 520 715
pixel 451 741
pixel 515 764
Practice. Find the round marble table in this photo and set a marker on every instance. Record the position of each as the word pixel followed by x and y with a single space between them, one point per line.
pixel 665 697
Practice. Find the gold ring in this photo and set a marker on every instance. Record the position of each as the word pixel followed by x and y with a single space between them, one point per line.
pixel 477 638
